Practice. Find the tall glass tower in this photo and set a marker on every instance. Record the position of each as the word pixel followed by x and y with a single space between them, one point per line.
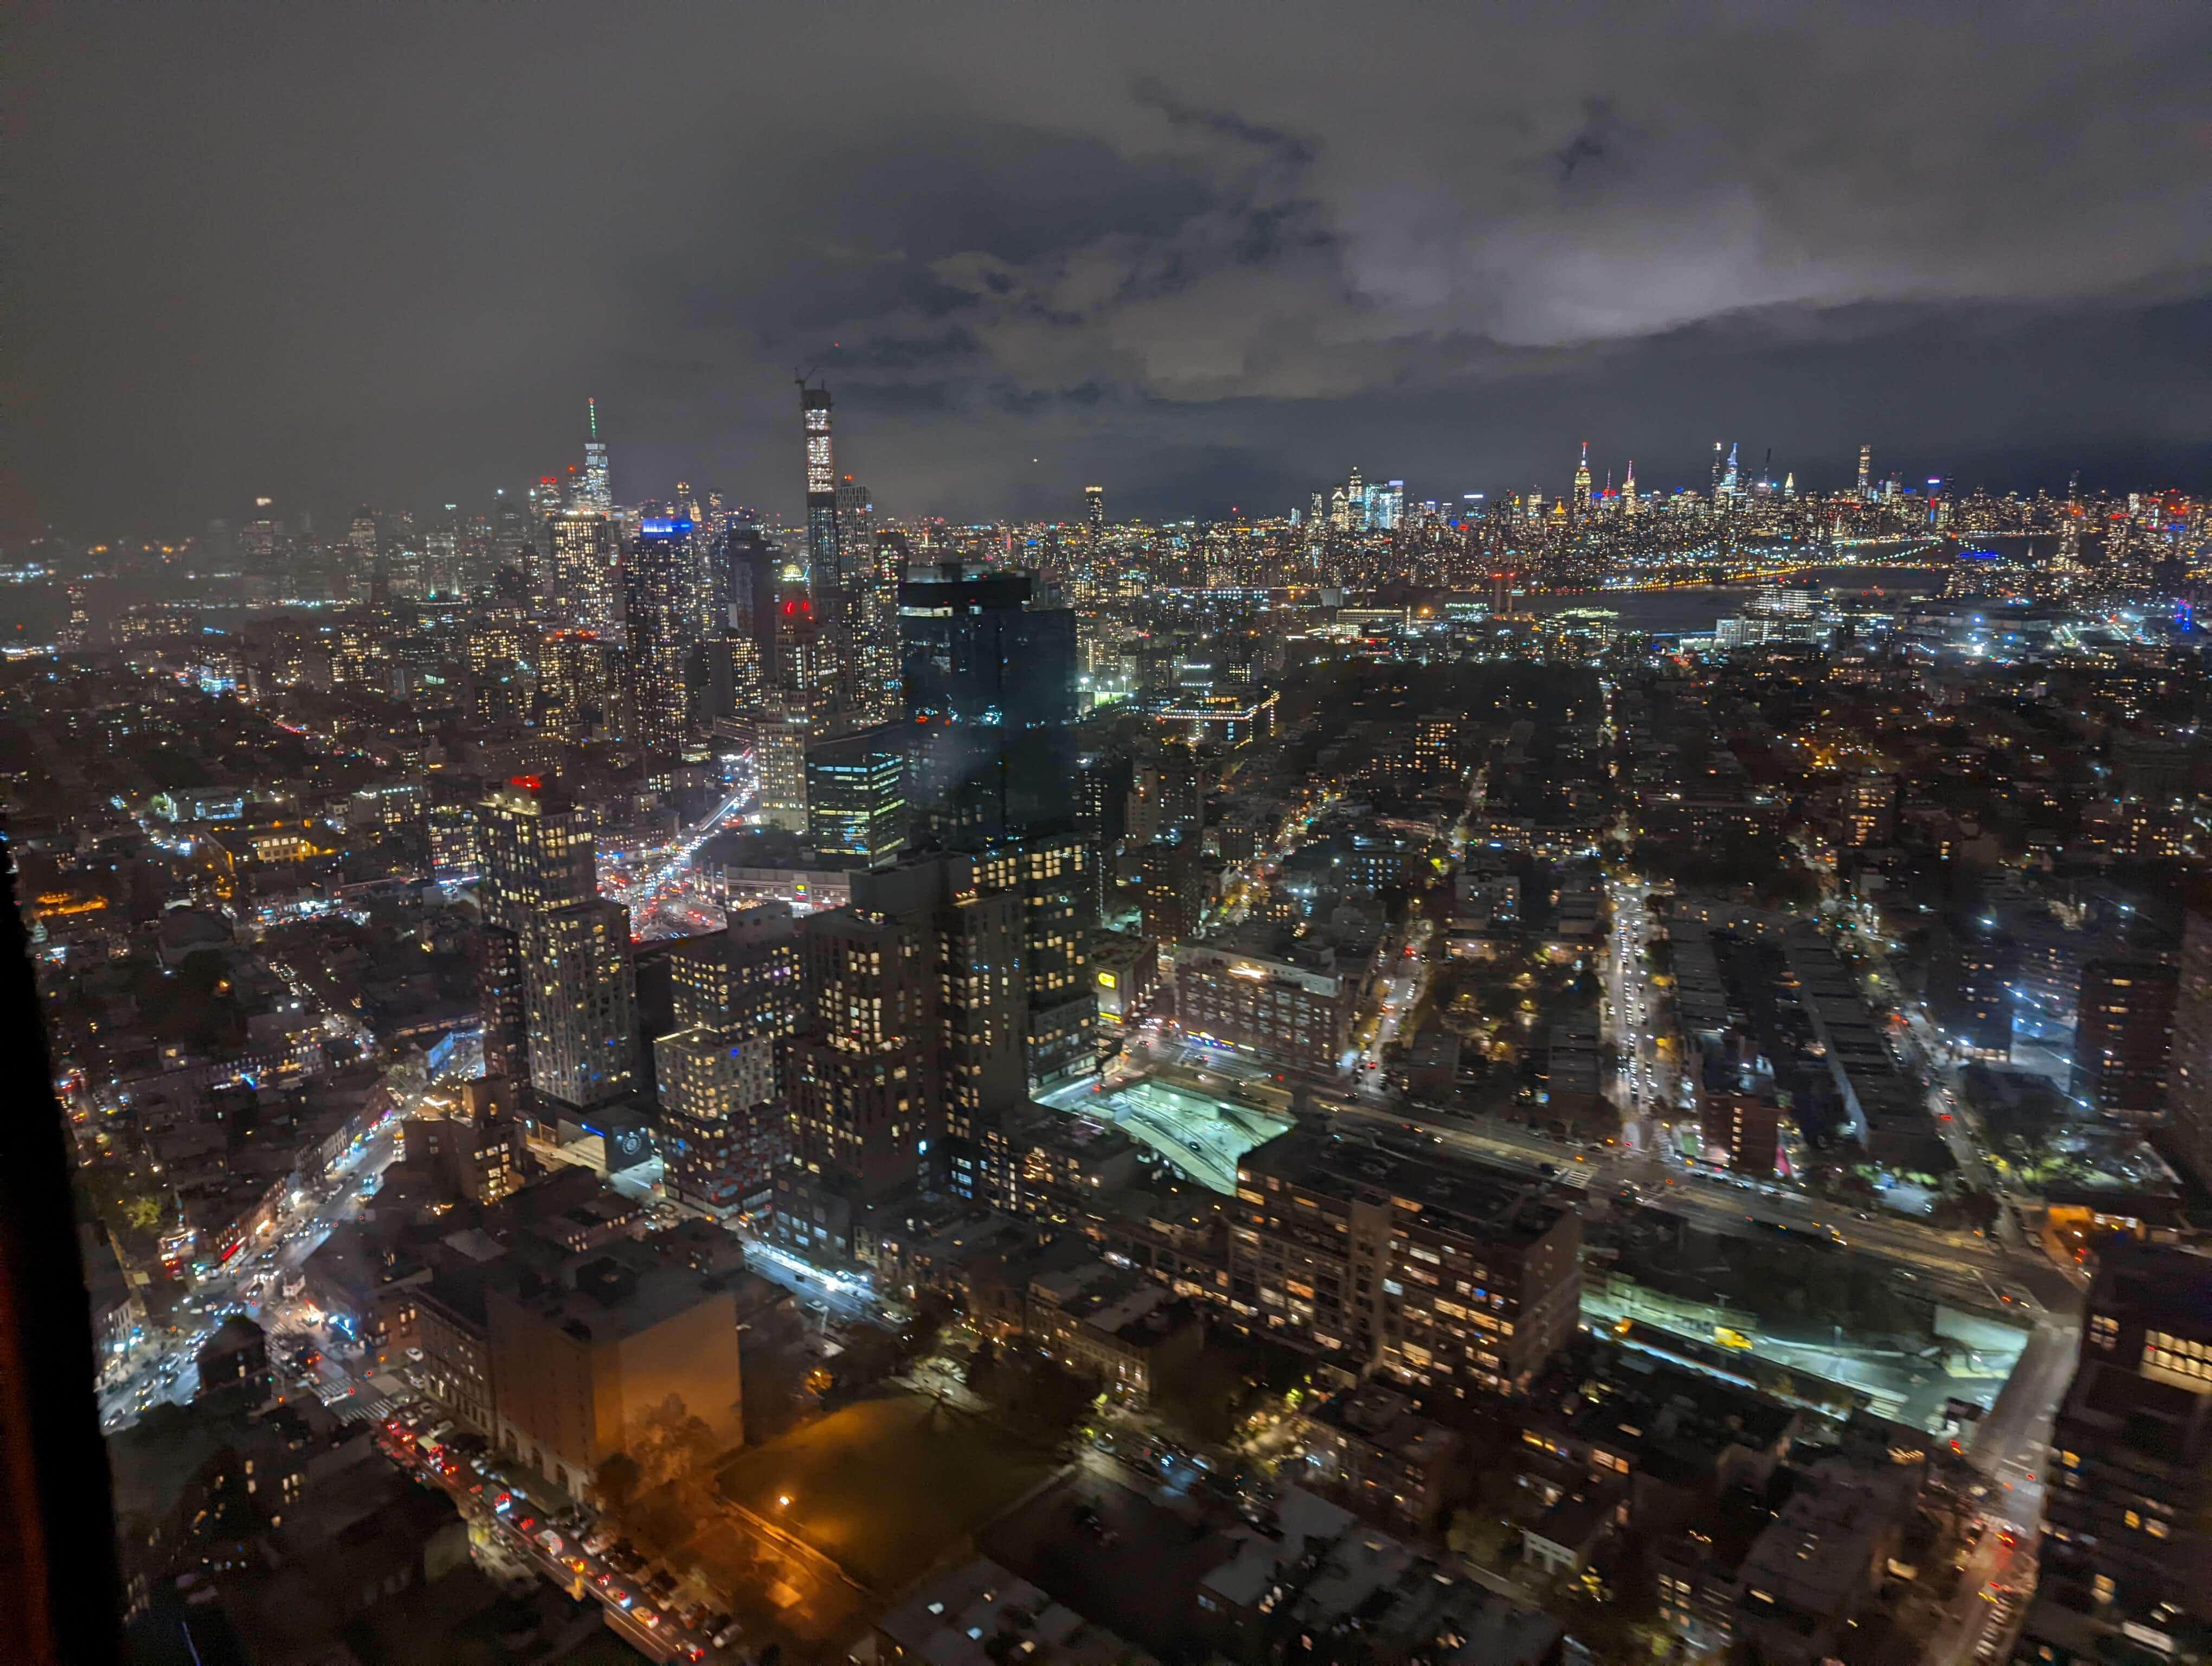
pixel 598 489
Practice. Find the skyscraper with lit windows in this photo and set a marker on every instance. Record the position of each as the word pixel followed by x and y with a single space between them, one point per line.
pixel 856 796
pixel 658 579
pixel 579 1003
pixel 598 489
pixel 911 1029
pixel 578 576
pixel 557 994
pixel 824 561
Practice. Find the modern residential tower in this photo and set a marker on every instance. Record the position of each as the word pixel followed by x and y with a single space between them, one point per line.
pixel 658 582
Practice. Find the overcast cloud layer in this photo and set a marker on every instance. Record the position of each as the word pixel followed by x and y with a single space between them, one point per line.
pixel 1204 255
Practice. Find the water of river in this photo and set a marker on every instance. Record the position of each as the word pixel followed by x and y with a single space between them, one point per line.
pixel 1692 610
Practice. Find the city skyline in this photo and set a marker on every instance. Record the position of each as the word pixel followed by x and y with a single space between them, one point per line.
pixel 574 490
pixel 1203 289
pixel 1109 837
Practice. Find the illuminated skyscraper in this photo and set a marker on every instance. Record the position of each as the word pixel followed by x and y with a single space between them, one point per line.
pixel 912 1027
pixel 544 499
pixel 1582 497
pixel 856 796
pixel 579 1003
pixel 560 995
pixel 1866 471
pixel 537 854
pixel 1717 465
pixel 578 575
pixel 723 1127
pixel 441 556
pixel 577 684
pixel 2123 1036
pixel 823 563
pixel 877 676
pixel 598 491
pixel 366 538
pixel 779 741
pixel 657 592
pixel 1628 492
pixel 1094 511
pixel 836 568
pixel 1055 876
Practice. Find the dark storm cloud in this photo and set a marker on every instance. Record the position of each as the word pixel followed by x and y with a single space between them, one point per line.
pixel 1595 141
pixel 1206 255
pixel 1185 116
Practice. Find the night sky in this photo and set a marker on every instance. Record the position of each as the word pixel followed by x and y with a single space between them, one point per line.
pixel 1203 255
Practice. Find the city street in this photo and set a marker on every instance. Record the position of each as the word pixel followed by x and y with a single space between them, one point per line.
pixel 851 1299
pixel 1630 1007
pixel 652 883
pixel 1408 976
pixel 546 1535
pixel 169 1373
pixel 1992 1593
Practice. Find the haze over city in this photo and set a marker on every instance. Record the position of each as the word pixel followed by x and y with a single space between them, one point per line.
pixel 1204 255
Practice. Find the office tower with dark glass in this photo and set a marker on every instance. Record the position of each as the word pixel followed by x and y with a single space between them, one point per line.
pixel 856 531
pixel 987 674
pixel 856 797
pixel 751 583
pixel 985 649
